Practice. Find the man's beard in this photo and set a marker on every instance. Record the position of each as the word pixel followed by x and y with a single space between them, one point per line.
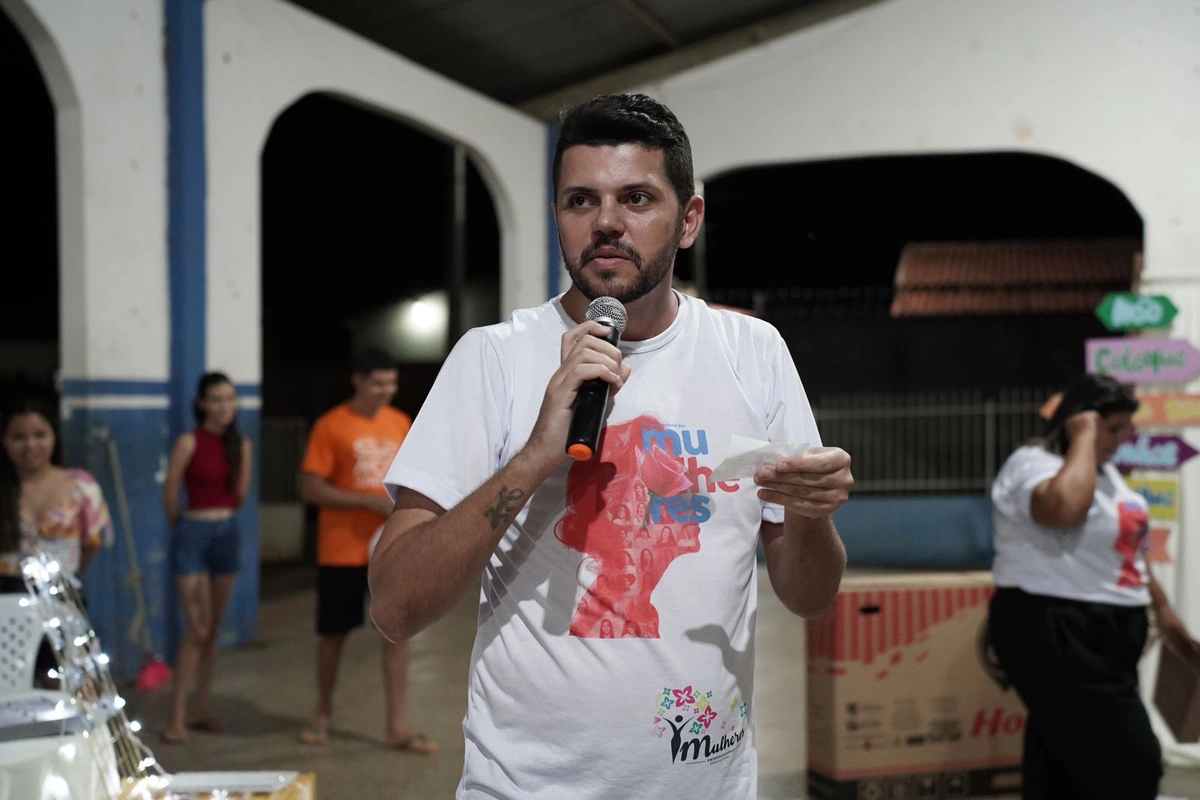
pixel 650 272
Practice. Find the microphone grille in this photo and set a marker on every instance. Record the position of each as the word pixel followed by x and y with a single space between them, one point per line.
pixel 608 308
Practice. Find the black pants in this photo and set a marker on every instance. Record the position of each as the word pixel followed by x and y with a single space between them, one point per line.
pixel 1074 665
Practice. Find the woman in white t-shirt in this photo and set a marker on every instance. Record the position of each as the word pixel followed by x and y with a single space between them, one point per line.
pixel 1068 621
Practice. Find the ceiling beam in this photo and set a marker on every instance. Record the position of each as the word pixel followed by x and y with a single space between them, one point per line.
pixel 650 22
pixel 547 106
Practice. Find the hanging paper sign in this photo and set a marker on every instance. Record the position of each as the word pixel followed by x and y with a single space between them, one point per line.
pixel 1161 493
pixel 1131 312
pixel 1168 410
pixel 1143 360
pixel 1152 452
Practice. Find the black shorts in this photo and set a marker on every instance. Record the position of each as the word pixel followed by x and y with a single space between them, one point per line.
pixel 341 599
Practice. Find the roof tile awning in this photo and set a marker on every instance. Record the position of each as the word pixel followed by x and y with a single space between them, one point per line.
pixel 1012 277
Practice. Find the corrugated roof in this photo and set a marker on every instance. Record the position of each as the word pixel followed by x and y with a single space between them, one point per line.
pixel 518 51
pixel 1012 277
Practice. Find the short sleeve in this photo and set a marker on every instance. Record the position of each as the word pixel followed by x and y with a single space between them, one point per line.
pixel 96 526
pixel 789 417
pixel 456 441
pixel 319 457
pixel 1025 470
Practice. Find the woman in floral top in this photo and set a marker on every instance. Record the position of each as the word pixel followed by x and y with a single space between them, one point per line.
pixel 65 507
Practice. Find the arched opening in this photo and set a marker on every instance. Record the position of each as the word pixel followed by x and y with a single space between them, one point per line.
pixel 815 248
pixel 931 304
pixel 29 317
pixel 366 242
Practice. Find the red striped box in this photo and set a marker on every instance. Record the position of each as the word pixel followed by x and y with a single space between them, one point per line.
pixel 904 701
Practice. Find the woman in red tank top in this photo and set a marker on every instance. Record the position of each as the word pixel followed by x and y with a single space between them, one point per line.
pixel 212 465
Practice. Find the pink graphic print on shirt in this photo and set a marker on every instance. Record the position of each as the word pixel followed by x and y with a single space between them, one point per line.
pixel 1132 539
pixel 632 510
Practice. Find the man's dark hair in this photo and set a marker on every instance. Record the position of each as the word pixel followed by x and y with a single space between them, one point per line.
pixel 369 360
pixel 1103 394
pixel 616 119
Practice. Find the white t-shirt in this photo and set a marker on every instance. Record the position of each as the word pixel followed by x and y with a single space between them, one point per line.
pixel 1100 561
pixel 615 650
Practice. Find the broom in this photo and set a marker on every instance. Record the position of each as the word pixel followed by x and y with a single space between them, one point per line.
pixel 154 671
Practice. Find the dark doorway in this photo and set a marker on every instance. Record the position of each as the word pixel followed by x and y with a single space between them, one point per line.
pixel 357 220
pixel 814 249
pixel 29 308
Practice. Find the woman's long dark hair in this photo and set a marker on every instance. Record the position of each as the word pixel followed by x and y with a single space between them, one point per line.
pixel 231 438
pixel 10 505
pixel 1100 393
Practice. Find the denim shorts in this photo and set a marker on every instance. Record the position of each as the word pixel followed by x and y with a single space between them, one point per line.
pixel 207 545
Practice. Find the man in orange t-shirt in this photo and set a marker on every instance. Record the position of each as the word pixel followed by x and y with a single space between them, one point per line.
pixel 349 452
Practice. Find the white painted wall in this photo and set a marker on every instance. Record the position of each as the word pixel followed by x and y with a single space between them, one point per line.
pixel 1110 85
pixel 262 56
pixel 103 64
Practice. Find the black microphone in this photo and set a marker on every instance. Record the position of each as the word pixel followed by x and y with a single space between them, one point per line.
pixel 592 400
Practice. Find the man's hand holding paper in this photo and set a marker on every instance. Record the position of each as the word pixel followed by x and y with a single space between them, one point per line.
pixel 813 484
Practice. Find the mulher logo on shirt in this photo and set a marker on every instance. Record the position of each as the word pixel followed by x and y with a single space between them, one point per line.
pixel 699 732
pixel 632 510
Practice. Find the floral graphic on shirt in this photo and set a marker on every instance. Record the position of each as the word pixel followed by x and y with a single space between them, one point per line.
pixel 693 729
pixel 684 696
pixel 1133 540
pixel 80 516
pixel 632 510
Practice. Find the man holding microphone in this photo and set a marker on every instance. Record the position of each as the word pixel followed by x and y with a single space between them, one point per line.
pixel 485 489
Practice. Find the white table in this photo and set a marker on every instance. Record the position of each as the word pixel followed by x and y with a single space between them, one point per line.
pixel 43 752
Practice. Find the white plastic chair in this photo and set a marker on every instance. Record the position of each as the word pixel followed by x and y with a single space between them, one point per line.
pixel 20 635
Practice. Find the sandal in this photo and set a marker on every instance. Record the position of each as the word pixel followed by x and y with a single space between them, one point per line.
pixel 315 735
pixel 415 743
pixel 167 736
pixel 208 725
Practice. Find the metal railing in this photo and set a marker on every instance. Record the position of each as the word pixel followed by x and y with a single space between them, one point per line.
pixel 914 443
pixel 929 442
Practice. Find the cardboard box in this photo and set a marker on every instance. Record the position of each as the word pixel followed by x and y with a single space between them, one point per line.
pixel 902 699
pixel 1177 695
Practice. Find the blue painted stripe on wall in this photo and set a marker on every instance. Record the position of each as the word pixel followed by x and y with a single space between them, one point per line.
pixel 85 387
pixel 75 387
pixel 186 196
pixel 553 253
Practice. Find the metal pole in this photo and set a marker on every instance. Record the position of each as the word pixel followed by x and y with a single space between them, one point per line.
pixel 989 448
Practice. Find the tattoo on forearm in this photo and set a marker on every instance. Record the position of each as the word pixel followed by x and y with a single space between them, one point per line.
pixel 505 501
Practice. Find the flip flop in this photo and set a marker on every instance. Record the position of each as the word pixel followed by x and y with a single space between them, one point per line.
pixel 208 725
pixel 315 735
pixel 169 737
pixel 416 743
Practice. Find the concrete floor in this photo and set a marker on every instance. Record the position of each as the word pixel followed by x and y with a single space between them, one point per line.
pixel 265 692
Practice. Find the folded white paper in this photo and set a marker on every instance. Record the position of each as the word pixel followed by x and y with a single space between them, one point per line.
pixel 746 456
pixel 222 782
